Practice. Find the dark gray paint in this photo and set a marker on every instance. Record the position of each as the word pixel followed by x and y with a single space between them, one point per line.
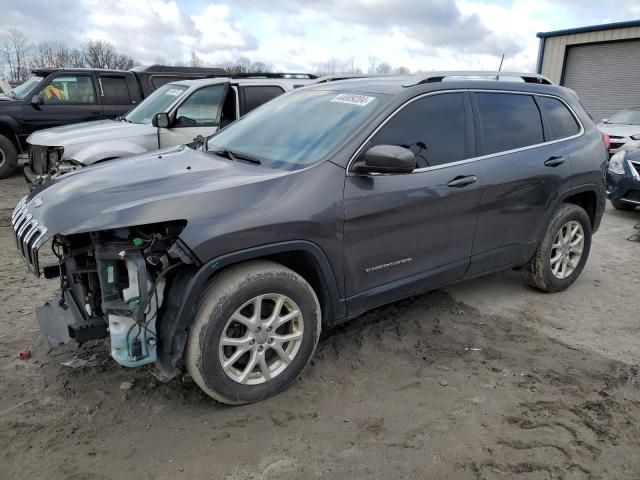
pixel 356 221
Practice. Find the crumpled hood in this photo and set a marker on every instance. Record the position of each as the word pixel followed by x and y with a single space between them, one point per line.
pixel 86 132
pixel 172 184
pixel 619 130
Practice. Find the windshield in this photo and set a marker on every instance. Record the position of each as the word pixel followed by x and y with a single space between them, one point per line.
pixel 296 129
pixel 23 90
pixel 626 117
pixel 158 102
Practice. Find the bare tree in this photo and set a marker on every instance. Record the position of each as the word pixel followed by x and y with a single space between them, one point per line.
pixel 76 58
pixel 47 54
pixel 401 70
pixel 101 54
pixel 15 49
pixel 383 68
pixel 373 61
pixel 196 61
pixel 245 65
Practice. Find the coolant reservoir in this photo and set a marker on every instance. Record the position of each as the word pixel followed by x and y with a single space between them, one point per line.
pixel 124 332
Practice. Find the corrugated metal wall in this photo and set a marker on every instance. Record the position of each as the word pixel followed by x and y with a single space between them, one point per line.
pixel 606 76
pixel 554 48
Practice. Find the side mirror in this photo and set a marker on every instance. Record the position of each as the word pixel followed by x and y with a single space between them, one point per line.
pixel 160 120
pixel 37 100
pixel 387 159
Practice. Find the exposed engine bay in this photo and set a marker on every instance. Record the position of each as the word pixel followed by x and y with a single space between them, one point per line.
pixel 113 284
pixel 46 164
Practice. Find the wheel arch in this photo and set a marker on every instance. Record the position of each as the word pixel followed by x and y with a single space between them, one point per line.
pixel 9 129
pixel 303 257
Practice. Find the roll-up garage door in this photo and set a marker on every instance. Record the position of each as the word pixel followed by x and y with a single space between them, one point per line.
pixel 606 76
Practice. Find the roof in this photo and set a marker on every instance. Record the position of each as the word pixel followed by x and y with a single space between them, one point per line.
pixel 174 69
pixel 395 84
pixel 592 28
pixel 199 82
pixel 48 70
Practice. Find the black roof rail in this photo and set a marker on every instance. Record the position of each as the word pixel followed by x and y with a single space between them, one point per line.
pixel 434 77
pixel 289 75
pixel 171 69
pixel 348 76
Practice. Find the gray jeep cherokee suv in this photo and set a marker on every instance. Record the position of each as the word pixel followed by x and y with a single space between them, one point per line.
pixel 312 209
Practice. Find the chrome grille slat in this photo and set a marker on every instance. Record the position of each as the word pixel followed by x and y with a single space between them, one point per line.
pixel 28 234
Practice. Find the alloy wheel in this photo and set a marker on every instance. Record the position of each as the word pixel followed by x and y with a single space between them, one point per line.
pixel 566 250
pixel 261 339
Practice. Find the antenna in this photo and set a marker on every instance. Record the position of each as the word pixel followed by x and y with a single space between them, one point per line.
pixel 501 60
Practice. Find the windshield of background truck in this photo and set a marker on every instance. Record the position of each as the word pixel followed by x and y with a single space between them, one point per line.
pixel 297 129
pixel 23 90
pixel 158 102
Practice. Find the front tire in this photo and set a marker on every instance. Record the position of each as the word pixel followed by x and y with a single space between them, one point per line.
pixel 256 328
pixel 563 252
pixel 8 157
pixel 618 205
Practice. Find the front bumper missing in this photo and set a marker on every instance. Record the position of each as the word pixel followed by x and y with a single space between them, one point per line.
pixel 61 321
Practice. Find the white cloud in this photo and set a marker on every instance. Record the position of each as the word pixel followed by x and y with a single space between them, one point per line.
pixel 294 35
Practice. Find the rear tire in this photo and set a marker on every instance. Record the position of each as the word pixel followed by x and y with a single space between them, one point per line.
pixel 8 157
pixel 556 263
pixel 618 205
pixel 256 328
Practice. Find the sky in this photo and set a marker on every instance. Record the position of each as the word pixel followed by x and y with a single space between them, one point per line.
pixel 302 34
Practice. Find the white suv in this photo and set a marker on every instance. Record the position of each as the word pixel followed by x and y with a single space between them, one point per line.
pixel 175 114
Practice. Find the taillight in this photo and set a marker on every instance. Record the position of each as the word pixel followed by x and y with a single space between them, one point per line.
pixel 606 140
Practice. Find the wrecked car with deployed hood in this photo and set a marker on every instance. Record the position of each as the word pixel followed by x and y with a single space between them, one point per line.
pixel 228 260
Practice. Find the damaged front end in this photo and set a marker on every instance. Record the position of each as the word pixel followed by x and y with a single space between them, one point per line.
pixel 46 164
pixel 113 284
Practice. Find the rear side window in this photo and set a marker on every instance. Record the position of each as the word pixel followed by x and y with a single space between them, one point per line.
pixel 253 97
pixel 115 91
pixel 433 128
pixel 508 121
pixel 562 122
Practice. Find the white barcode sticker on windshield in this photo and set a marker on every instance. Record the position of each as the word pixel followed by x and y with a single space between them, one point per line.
pixel 174 92
pixel 353 99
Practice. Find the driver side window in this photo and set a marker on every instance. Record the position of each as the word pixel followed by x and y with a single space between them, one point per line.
pixel 69 89
pixel 201 108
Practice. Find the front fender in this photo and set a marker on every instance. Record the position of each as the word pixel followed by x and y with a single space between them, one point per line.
pixel 188 287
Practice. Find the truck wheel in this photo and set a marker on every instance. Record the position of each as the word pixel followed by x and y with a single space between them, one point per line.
pixel 8 157
pixel 618 205
pixel 256 328
pixel 563 252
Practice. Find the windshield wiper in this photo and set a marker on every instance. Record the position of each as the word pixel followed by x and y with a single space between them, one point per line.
pixel 237 156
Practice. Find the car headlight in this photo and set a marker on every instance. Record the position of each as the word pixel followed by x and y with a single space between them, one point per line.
pixel 54 154
pixel 635 137
pixel 616 164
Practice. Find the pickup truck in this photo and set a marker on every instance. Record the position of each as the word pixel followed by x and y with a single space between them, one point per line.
pixel 174 114
pixel 53 97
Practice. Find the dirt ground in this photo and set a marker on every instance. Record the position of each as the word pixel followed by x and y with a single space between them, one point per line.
pixel 487 379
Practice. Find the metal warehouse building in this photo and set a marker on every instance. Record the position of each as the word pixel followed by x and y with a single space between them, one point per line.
pixel 601 63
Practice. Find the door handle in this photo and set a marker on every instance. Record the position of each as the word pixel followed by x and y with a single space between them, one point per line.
pixel 460 182
pixel 554 161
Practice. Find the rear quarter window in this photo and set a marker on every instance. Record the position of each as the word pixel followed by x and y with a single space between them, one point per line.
pixel 562 122
pixel 509 121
